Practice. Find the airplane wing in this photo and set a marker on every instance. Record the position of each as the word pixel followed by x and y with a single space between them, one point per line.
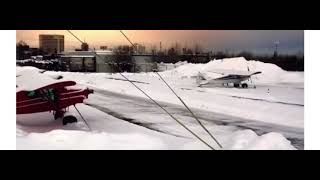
pixel 255 73
pixel 226 72
pixel 237 76
pixel 231 76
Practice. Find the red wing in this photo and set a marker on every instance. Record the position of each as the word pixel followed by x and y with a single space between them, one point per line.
pixel 44 106
pixel 23 95
pixel 65 98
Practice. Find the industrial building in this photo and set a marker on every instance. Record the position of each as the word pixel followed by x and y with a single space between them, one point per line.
pixel 86 61
pixel 51 44
pixel 105 61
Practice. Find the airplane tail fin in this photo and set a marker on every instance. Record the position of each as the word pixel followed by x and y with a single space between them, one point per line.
pixel 200 78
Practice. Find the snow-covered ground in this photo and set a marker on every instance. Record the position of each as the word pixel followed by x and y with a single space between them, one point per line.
pixel 278 100
pixel 41 131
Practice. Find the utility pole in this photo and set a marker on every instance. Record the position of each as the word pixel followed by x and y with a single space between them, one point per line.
pixel 276 43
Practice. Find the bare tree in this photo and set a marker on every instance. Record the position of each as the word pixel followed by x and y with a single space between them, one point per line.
pixel 153 49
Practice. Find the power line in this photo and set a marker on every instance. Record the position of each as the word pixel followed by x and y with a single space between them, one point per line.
pixel 75 36
pixel 178 121
pixel 82 117
pixel 155 102
pixel 185 105
pixel 127 38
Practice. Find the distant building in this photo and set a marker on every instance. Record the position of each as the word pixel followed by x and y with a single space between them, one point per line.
pixel 85 47
pixel 140 49
pixel 87 61
pixel 51 44
pixel 104 47
pixel 105 61
pixel 143 63
pixel 22 51
pixel 81 61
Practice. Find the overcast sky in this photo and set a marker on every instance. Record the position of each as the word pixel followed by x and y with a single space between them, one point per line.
pixel 251 40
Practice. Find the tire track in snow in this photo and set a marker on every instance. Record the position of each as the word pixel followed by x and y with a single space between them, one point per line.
pixel 254 99
pixel 125 106
pixel 265 100
pixel 130 120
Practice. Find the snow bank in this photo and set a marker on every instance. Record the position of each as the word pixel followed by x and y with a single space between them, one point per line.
pixel 169 66
pixel 271 73
pixel 30 78
pixel 70 139
pixel 248 140
pixel 83 140
pixel 30 68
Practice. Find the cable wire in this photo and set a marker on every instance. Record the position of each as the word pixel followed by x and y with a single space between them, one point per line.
pixel 155 102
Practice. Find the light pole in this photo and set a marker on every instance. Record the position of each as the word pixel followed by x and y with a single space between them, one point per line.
pixel 276 43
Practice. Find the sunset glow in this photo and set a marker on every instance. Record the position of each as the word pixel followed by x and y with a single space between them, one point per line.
pixel 210 39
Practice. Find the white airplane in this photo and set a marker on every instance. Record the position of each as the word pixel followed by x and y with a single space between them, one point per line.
pixel 235 78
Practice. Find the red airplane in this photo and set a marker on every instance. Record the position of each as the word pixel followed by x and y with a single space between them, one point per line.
pixel 54 97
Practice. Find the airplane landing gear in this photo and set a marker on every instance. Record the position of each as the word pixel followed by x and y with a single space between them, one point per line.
pixel 244 85
pixel 65 116
pixel 69 119
pixel 58 114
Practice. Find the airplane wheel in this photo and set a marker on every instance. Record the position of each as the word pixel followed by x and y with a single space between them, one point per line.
pixel 69 119
pixel 244 85
pixel 236 85
pixel 58 114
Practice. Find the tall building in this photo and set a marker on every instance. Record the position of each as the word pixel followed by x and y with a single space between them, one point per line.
pixel 51 44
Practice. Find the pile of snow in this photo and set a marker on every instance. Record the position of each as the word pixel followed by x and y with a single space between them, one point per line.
pixel 249 140
pixel 19 69
pixel 271 73
pixel 71 139
pixel 37 61
pixel 169 66
pixel 34 78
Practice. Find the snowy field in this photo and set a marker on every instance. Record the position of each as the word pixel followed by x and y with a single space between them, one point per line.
pixel 121 117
